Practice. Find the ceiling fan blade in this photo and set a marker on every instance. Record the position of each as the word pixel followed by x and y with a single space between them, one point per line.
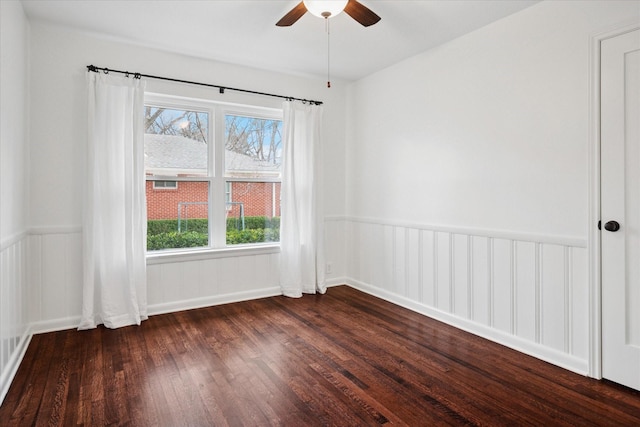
pixel 361 13
pixel 292 16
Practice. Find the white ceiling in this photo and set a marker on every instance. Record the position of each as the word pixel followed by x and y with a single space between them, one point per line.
pixel 244 32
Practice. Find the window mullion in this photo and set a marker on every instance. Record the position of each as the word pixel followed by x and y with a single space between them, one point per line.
pixel 217 217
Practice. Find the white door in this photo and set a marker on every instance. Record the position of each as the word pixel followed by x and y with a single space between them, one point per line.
pixel 620 204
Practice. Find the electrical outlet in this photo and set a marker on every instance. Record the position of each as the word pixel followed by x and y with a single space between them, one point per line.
pixel 328 268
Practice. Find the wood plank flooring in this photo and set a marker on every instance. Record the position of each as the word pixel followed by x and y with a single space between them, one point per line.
pixel 343 359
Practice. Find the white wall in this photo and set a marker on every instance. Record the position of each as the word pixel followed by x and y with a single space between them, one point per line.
pixel 468 178
pixel 13 178
pixel 58 127
pixel 13 100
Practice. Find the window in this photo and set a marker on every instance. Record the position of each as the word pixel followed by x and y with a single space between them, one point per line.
pixel 171 185
pixel 222 164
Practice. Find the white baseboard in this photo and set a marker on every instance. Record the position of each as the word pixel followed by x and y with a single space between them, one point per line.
pixel 55 325
pixel 209 301
pixel 336 281
pixel 536 350
pixel 10 371
pixel 154 309
pixel 226 299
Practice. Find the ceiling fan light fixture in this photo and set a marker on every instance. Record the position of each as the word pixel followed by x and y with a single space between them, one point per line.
pixel 325 8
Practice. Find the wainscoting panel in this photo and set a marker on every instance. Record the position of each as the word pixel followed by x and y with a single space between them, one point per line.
pixel 174 286
pixel 526 291
pixel 525 273
pixel 554 313
pixel 55 277
pixel 480 278
pixel 14 322
pixel 335 249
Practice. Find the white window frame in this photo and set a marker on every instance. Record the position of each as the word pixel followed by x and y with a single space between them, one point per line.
pixel 215 175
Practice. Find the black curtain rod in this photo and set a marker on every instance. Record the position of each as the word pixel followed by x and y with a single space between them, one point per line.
pixel 221 88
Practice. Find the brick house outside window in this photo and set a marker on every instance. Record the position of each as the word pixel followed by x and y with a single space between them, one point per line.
pixel 169 155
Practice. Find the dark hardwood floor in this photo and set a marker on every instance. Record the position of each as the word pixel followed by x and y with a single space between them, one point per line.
pixel 344 358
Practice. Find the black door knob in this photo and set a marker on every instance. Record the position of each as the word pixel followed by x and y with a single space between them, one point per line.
pixel 612 226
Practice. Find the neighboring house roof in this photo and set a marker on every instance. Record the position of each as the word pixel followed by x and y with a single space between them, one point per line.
pixel 176 155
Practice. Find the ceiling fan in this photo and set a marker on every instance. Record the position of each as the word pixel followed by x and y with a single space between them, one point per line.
pixel 330 8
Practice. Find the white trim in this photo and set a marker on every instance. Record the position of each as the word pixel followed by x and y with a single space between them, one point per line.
pixel 545 353
pixel 165 257
pixel 209 301
pixel 336 281
pixel 177 177
pixel 72 322
pixel 334 218
pixel 10 370
pixel 593 246
pixel 54 325
pixel 13 239
pixel 201 104
pixel 162 257
pixel 573 241
pixel 55 229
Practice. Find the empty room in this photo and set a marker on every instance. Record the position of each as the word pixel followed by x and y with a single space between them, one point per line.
pixel 372 212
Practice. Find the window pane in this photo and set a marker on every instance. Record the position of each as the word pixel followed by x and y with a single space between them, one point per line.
pixel 175 142
pixel 178 219
pixel 253 147
pixel 253 212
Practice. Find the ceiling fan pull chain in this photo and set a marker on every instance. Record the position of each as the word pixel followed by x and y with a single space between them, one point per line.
pixel 326 20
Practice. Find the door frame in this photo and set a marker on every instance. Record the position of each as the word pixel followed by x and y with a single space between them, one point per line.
pixel 595 255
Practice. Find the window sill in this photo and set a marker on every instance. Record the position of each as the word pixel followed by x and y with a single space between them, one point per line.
pixel 164 257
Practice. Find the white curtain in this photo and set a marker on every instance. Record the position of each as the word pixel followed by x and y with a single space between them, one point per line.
pixel 302 231
pixel 114 224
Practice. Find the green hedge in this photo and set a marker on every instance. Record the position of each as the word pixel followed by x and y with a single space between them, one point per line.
pixel 173 240
pixel 257 235
pixel 163 234
pixel 161 226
